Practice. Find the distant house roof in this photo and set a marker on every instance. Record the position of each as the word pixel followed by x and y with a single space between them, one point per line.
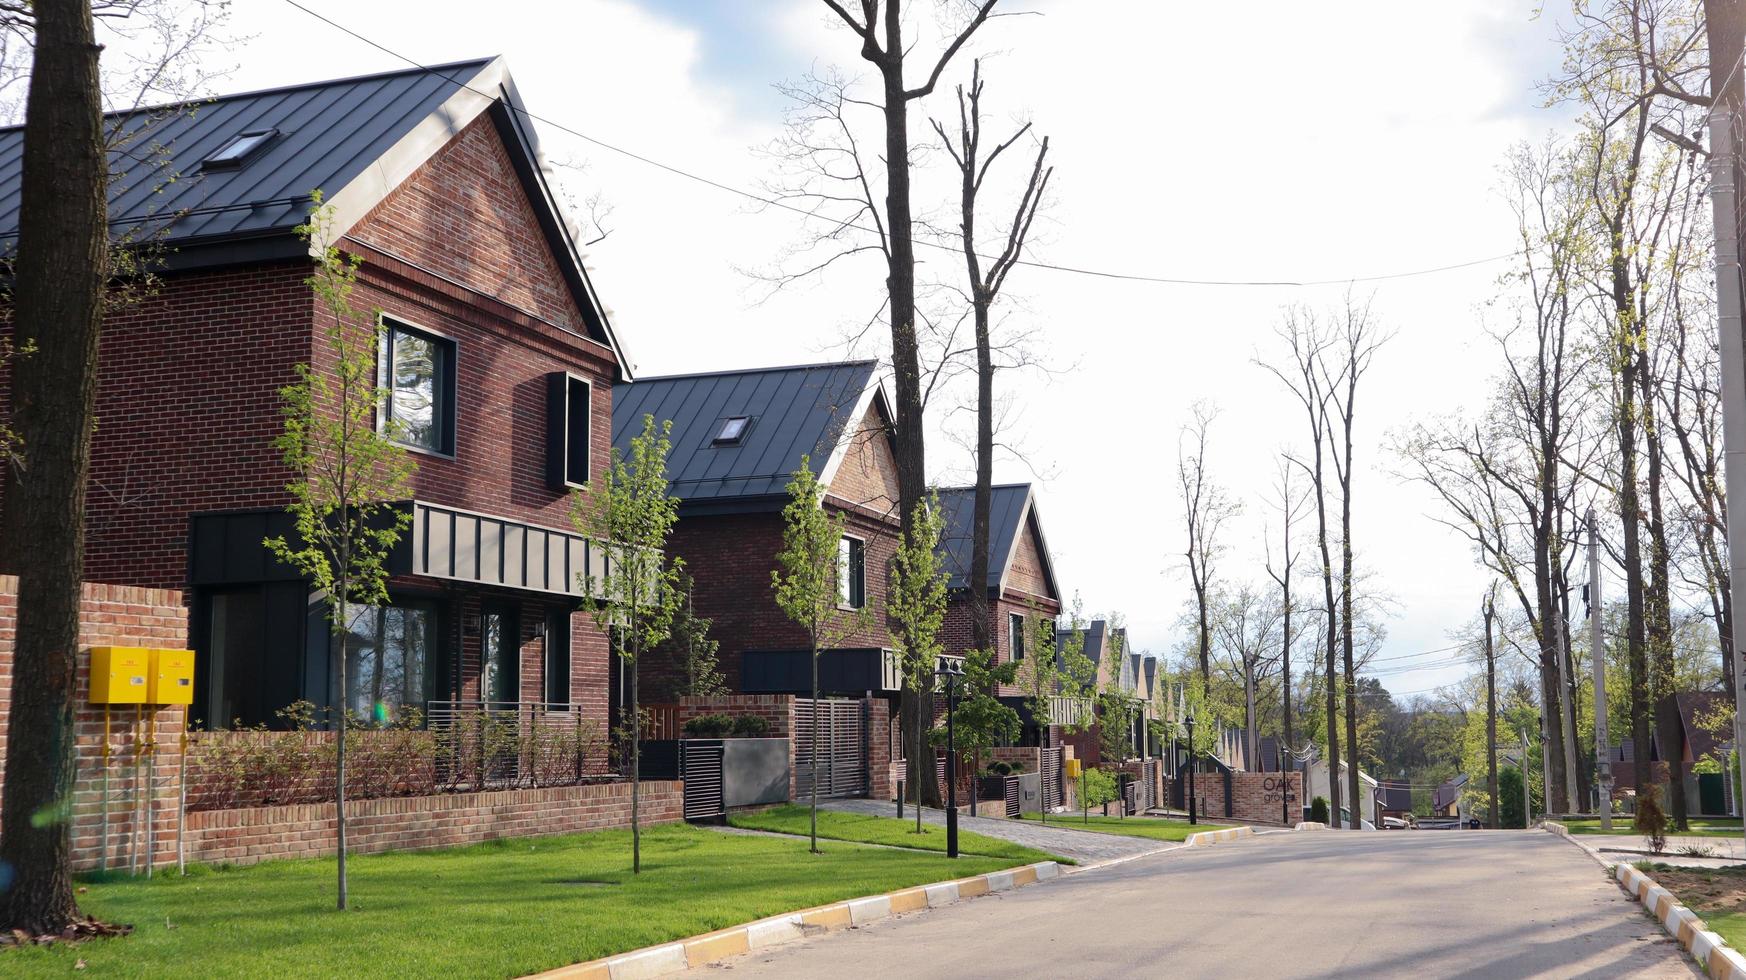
pixel 1093 632
pixel 354 139
pixel 1694 708
pixel 1448 793
pixel 789 412
pixel 1394 796
pixel 1011 509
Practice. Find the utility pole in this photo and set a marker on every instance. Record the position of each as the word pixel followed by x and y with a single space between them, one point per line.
pixel 1566 708
pixel 1603 767
pixel 1490 714
pixel 1725 25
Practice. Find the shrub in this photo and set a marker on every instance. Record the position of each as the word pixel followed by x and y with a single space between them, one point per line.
pixel 1651 819
pixel 998 768
pixel 709 726
pixel 1319 810
pixel 751 726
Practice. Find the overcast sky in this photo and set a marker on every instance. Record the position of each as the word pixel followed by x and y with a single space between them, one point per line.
pixel 1285 141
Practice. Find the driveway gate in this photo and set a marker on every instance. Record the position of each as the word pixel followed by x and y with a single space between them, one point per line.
pixel 700 765
pixel 1051 759
pixel 842 747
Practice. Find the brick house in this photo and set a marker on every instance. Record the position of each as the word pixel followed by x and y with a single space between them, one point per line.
pixel 737 438
pixel 1021 583
pixel 497 354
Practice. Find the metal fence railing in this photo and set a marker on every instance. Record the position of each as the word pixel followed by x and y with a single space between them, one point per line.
pixel 455 747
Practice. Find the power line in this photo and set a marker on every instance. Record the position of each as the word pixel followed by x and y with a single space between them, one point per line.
pixel 805 213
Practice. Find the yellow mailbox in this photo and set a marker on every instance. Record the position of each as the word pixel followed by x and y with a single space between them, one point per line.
pixel 119 675
pixel 1072 768
pixel 172 677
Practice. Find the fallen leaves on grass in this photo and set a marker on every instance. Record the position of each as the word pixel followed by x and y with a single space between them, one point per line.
pixel 77 931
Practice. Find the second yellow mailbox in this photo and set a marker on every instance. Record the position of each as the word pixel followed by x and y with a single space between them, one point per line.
pixel 1072 768
pixel 171 677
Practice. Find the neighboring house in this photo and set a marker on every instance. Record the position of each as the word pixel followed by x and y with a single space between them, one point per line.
pixel 1448 800
pixel 737 439
pixel 498 357
pixel 1706 794
pixel 1099 644
pixel 1021 582
pixel 1316 775
pixel 1393 799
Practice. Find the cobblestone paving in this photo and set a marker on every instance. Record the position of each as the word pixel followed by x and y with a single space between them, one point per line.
pixel 1085 847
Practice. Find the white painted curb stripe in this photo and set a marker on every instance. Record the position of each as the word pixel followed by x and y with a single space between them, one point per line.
pixel 1209 837
pixel 1000 881
pixel 771 932
pixel 1047 870
pixel 865 910
pixel 945 894
pixel 1704 946
pixel 655 962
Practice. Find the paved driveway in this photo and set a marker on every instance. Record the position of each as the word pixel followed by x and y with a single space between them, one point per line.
pixel 1083 846
pixel 1468 905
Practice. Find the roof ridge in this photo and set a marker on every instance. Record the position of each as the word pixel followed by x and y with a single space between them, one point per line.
pixel 992 486
pixel 858 362
pixel 281 89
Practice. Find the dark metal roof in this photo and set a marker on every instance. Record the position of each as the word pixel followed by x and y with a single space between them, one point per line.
pixel 328 133
pixel 1093 633
pixel 797 411
pixel 1006 513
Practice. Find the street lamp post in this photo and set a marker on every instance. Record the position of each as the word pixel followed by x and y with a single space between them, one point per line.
pixel 1192 818
pixel 951 669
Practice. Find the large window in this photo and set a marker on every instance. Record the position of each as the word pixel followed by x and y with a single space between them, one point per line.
pixel 418 371
pixel 500 653
pixel 558 658
pixel 851 573
pixel 391 660
pixel 237 648
pixel 1015 635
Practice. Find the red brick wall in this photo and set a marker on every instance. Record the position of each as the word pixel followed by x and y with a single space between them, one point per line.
pixel 867 477
pixel 778 710
pixel 731 558
pixel 1255 797
pixel 1026 573
pixel 464 215
pixel 407 823
pixel 142 788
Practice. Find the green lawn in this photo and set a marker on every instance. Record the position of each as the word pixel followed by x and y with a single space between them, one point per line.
pixel 1153 827
pixel 500 909
pixel 1700 827
pixel 890 831
pixel 1717 895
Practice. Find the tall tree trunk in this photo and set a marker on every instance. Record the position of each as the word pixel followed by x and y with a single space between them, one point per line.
pixel 1657 621
pixel 1346 632
pixel 60 273
pixel 1333 684
pixel 1285 664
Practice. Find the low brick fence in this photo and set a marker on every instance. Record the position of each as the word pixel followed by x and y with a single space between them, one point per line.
pixel 124 814
pixel 418 822
pixel 779 711
pixel 1271 798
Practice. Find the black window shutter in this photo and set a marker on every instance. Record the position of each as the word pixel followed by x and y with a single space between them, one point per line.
pixel 557 422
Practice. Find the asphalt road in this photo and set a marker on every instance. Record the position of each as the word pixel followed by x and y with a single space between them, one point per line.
pixel 1466 904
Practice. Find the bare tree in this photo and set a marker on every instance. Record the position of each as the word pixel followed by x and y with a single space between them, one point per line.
pixel 1290 505
pixel 984 291
pixel 1248 630
pixel 1206 507
pixel 1357 340
pixel 1306 339
pixel 880 30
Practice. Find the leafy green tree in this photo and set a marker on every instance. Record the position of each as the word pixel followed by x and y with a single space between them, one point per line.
pixel 918 610
pixel 808 590
pixel 347 473
pixel 982 721
pixel 695 650
pixel 638 594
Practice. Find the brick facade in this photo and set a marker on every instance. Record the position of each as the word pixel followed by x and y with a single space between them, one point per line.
pixel 189 376
pixel 1255 797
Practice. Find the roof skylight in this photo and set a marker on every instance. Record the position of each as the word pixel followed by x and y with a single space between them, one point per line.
pixel 238 151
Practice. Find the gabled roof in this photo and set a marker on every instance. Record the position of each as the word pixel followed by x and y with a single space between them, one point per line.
pixel 1093 632
pixel 1012 508
pixel 803 410
pixel 354 139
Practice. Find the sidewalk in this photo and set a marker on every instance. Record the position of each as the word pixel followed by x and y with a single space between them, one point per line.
pixel 1699 852
pixel 1085 847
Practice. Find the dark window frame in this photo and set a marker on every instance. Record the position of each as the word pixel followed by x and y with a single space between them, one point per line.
pixel 230 157
pixel 569 440
pixel 436 658
pixel 852 593
pixel 1015 636
pixel 557 659
pixel 721 440
pixel 511 615
pixel 446 409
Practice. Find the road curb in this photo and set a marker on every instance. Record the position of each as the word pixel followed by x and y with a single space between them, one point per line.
pixel 1719 960
pixel 1310 825
pixel 713 947
pixel 1207 838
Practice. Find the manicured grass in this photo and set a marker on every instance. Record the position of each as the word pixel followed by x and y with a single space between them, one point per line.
pixel 1700 827
pixel 890 831
pixel 1153 827
pixel 500 909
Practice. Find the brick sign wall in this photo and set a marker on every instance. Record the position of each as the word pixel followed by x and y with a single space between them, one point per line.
pixel 1256 797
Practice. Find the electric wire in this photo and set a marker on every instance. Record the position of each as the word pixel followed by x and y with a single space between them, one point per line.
pixel 806 213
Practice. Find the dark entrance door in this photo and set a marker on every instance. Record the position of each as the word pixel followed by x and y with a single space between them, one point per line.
pixel 499 652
